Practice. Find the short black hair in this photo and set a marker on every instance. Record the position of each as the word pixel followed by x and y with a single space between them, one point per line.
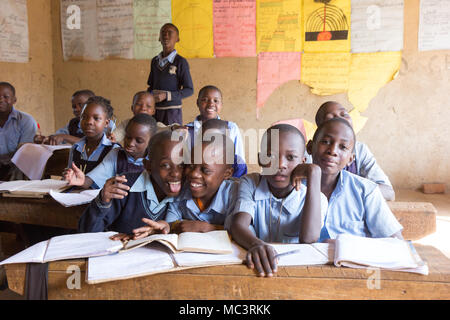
pixel 85 92
pixel 219 124
pixel 172 25
pixel 209 87
pixel 157 139
pixel 144 119
pixel 321 108
pixel 227 145
pixel 9 85
pixel 285 128
pixel 340 120
pixel 138 94
pixel 105 103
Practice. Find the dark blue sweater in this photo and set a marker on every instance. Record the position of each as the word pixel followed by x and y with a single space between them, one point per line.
pixel 174 77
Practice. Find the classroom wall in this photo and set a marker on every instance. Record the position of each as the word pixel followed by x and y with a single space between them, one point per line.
pixel 408 119
pixel 34 80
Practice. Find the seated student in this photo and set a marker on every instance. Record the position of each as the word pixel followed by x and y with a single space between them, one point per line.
pixel 221 126
pixel 16 128
pixel 72 132
pixel 128 159
pixel 209 103
pixel 364 163
pixel 126 200
pixel 269 203
pixel 87 153
pixel 355 204
pixel 207 197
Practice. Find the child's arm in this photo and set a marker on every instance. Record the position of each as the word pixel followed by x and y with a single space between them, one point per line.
pixel 260 255
pixel 76 177
pixel 311 215
pixel 56 139
pixel 193 226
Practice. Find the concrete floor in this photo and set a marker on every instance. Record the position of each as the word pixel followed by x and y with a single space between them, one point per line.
pixel 440 239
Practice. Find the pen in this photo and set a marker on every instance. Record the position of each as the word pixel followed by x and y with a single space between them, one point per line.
pixel 287 253
pixel 39 129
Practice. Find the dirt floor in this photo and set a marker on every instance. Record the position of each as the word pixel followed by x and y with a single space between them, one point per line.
pixel 440 239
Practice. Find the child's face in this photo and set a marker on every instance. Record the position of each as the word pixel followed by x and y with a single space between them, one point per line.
pixel 137 137
pixel 333 148
pixel 145 103
pixel 290 154
pixel 7 99
pixel 167 174
pixel 335 110
pixel 78 103
pixel 168 37
pixel 204 179
pixel 209 104
pixel 94 120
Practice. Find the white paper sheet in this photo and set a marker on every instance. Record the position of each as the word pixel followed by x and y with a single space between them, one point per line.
pixel 14 43
pixel 34 253
pixel 434 25
pixel 74 198
pixel 308 254
pixel 190 259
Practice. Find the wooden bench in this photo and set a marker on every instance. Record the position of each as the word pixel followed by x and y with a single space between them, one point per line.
pixel 236 282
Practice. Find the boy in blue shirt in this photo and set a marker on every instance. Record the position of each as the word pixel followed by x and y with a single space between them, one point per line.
pixel 169 80
pixel 271 205
pixel 128 200
pixel 364 163
pixel 16 128
pixel 355 204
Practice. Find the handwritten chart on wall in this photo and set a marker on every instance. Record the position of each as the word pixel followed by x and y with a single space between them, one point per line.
pixel 149 16
pixel 434 25
pixel 278 25
pixel 234 28
pixel 14 31
pixel 194 20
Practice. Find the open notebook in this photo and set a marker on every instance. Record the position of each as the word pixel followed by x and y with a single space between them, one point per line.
pixel 384 253
pixel 32 188
pixel 93 244
pixel 71 199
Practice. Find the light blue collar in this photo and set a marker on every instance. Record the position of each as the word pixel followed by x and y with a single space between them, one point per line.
pixel 144 183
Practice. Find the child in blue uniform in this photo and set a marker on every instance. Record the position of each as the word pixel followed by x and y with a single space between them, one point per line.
pixel 128 159
pixel 127 201
pixel 270 204
pixel 355 204
pixel 364 163
pixel 169 80
pixel 16 128
pixel 87 153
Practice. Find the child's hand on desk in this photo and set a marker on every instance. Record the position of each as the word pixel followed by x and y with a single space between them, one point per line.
pixel 56 139
pixel 262 257
pixel 303 171
pixel 151 228
pixel 192 226
pixel 74 176
pixel 39 139
pixel 114 188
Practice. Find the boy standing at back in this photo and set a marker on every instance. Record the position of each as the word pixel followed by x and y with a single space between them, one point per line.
pixel 169 80
pixel 16 128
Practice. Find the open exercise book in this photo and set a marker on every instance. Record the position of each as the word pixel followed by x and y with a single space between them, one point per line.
pixel 32 188
pixel 70 199
pixel 31 158
pixel 384 253
pixel 83 245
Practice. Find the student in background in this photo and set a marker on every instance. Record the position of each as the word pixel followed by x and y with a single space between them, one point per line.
pixel 364 163
pixel 72 132
pixel 127 201
pixel 209 103
pixel 207 197
pixel 128 159
pixel 169 80
pixel 16 128
pixel 87 153
pixel 277 209
pixel 355 204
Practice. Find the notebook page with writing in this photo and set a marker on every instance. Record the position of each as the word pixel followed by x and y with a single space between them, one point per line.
pixel 34 253
pixel 385 253
pixel 170 240
pixel 142 261
pixel 81 245
pixel 74 198
pixel 208 242
pixel 307 254
pixel 192 259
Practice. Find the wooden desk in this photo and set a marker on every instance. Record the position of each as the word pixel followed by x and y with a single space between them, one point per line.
pixel 417 218
pixel 239 282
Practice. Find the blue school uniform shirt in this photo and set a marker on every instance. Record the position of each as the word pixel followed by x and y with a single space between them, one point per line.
pixel 124 215
pixel 185 208
pixel 19 128
pixel 80 147
pixel 273 219
pixel 357 206
pixel 108 168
